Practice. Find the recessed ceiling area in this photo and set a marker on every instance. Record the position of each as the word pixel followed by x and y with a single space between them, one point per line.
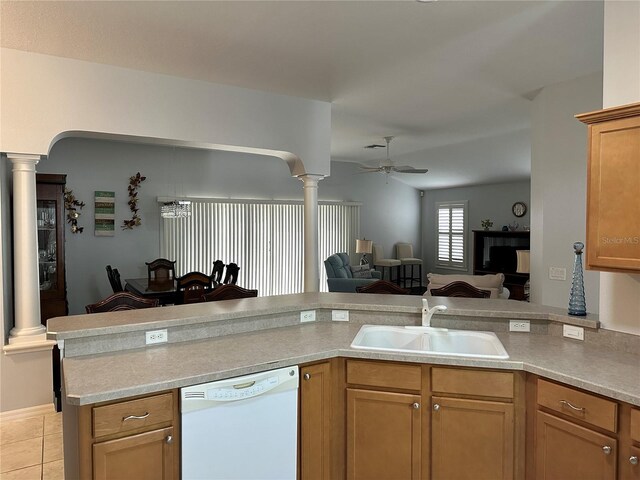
pixel 442 77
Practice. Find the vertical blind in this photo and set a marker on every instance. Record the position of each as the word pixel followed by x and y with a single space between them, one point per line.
pixel 265 239
pixel 451 235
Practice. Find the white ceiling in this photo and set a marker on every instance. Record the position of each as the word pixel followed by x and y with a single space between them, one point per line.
pixel 452 80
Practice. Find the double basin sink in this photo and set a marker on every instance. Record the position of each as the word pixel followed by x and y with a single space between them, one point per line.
pixel 430 341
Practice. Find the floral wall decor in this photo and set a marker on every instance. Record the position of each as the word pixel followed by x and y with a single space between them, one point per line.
pixel 134 184
pixel 72 205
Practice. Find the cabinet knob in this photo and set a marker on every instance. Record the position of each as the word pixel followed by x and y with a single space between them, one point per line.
pixel 436 406
pixel 633 460
pixel 607 450
pixel 416 405
pixel 169 439
pixel 307 376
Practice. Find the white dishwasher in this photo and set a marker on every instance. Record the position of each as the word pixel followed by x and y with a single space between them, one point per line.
pixel 241 428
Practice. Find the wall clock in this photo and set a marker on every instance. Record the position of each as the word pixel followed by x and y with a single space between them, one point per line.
pixel 519 209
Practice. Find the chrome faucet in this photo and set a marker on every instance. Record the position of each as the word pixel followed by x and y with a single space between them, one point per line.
pixel 427 312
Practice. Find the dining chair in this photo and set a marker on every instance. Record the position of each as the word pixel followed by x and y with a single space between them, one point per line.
pixel 231 275
pixel 161 270
pixel 114 279
pixel 191 286
pixel 382 286
pixel 121 301
pixel 460 289
pixel 216 273
pixel 228 292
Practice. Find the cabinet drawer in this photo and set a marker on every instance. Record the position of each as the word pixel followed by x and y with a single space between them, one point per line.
pixel 384 374
pixel 472 382
pixel 635 425
pixel 131 415
pixel 574 403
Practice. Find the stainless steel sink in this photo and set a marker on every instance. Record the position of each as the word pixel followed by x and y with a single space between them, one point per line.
pixel 431 341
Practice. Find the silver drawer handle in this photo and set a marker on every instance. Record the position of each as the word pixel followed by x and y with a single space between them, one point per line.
pixel 307 376
pixel 169 439
pixel 416 405
pixel 633 460
pixel 607 450
pixel 135 417
pixel 436 407
pixel 572 407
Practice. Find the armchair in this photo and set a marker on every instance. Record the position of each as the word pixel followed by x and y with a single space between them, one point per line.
pixel 340 276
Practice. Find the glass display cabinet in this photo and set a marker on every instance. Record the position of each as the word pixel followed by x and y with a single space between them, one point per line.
pixel 50 224
pixel 53 288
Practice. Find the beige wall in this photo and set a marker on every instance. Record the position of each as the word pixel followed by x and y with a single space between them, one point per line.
pixel 619 292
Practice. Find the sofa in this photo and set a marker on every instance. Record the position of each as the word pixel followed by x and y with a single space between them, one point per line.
pixel 343 277
pixel 493 283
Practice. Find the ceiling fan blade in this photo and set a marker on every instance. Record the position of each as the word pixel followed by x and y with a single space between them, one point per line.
pixel 370 169
pixel 408 169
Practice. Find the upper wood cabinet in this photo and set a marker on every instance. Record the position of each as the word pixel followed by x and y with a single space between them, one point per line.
pixel 613 183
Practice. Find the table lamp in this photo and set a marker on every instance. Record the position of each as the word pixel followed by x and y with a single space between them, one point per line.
pixel 364 246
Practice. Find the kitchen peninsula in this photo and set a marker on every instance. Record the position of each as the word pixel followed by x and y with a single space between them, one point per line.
pixel 106 361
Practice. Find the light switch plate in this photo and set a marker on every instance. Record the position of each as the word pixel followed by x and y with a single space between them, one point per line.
pixel 340 315
pixel 557 273
pixel 571 331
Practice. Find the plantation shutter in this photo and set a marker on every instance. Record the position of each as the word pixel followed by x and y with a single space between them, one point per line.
pixel 451 247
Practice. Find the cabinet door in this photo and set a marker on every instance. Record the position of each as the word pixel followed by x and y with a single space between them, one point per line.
pixel 471 439
pixel 383 435
pixel 315 427
pixel 632 464
pixel 146 456
pixel 568 451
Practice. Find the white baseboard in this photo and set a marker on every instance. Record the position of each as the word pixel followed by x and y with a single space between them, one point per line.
pixel 20 413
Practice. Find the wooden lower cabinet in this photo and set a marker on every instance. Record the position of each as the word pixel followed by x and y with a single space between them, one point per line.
pixel 383 435
pixel 471 439
pixel 145 456
pixel 566 451
pixel 315 422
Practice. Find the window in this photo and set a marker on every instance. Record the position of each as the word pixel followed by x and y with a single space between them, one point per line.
pixel 451 242
pixel 265 239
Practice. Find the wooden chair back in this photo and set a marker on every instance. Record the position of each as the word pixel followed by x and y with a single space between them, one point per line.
pixel 161 270
pixel 216 273
pixel 460 289
pixel 231 275
pixel 228 292
pixel 114 279
pixel 121 301
pixel 191 286
pixel 382 286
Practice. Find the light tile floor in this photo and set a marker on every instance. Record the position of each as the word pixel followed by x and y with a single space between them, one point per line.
pixel 31 448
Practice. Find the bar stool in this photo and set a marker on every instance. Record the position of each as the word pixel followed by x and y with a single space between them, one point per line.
pixel 405 255
pixel 390 263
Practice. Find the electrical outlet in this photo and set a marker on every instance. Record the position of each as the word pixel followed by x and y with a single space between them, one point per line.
pixel 557 273
pixel 519 326
pixel 571 331
pixel 340 315
pixel 307 316
pixel 156 336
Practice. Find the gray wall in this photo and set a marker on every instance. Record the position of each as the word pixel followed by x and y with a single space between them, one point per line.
pixel 485 201
pixel 559 187
pixel 389 214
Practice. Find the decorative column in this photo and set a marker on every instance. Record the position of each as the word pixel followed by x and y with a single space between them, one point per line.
pixel 28 328
pixel 311 260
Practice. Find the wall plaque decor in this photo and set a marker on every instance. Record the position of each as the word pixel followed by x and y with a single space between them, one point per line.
pixel 105 208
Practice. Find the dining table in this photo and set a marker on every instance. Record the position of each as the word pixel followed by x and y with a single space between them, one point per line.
pixel 165 291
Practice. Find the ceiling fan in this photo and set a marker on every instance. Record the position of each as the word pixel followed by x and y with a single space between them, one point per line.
pixel 388 166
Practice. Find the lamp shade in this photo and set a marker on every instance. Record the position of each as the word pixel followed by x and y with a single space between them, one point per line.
pixel 364 246
pixel 523 261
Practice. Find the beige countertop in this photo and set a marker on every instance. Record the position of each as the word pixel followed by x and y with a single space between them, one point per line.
pixel 79 326
pixel 107 376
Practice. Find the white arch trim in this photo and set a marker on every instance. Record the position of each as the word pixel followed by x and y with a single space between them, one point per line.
pixel 295 164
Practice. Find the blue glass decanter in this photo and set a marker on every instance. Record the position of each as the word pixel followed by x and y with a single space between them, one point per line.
pixel 577 304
